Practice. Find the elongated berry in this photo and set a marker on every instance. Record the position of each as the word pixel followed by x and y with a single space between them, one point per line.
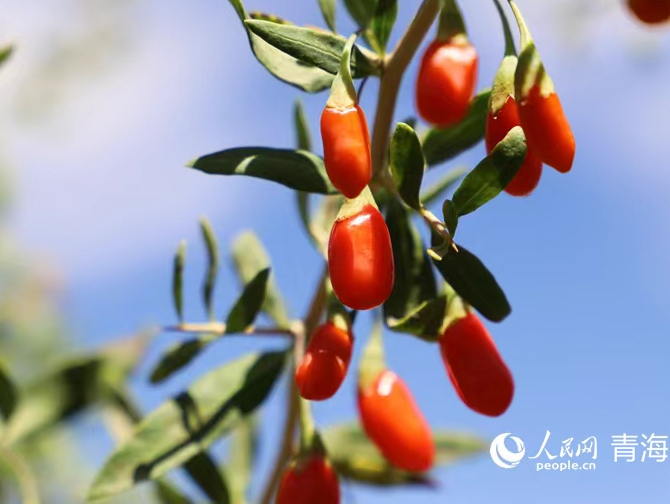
pixel 346 149
pixel 309 481
pixel 650 11
pixel 393 421
pixel 497 127
pixel 476 369
pixel 547 130
pixel 447 81
pixel 360 259
pixel 325 364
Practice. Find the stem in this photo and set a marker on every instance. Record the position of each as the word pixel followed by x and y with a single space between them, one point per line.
pixel 392 73
pixel 526 37
pixel 24 475
pixel 312 318
pixel 219 328
pixel 510 50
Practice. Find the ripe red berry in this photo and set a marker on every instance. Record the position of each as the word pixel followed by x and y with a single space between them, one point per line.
pixel 325 364
pixel 447 81
pixel 309 482
pixel 476 369
pixel 393 421
pixel 346 149
pixel 360 259
pixel 548 132
pixel 650 11
pixel 497 127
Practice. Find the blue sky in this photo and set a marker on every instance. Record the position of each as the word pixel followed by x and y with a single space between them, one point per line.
pixel 104 196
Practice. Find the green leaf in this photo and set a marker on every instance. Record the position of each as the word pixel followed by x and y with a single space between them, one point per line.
pixel 426 321
pixel 384 19
pixel 315 47
pixel 407 164
pixel 283 66
pixel 246 308
pixel 212 245
pixel 204 473
pixel 474 283
pixel 437 191
pixel 178 280
pixel 295 169
pixel 250 258
pixel 8 393
pixel 362 11
pixel 414 281
pixel 5 53
pixel 491 176
pixel 302 131
pixel 26 479
pixel 450 214
pixel 179 356
pixel 328 8
pixel 241 458
pixel 189 423
pixel 356 458
pixel 168 494
pixel 440 145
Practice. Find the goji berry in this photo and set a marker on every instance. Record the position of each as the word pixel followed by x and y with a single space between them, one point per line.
pixel 476 369
pixel 360 259
pixel 309 481
pixel 325 363
pixel 497 127
pixel 346 149
pixel 650 11
pixel 393 421
pixel 447 81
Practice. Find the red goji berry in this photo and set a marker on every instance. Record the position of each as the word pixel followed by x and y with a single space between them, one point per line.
pixel 346 149
pixel 650 11
pixel 395 424
pixel 325 364
pixel 447 81
pixel 360 259
pixel 497 127
pixel 547 130
pixel 309 482
pixel 476 369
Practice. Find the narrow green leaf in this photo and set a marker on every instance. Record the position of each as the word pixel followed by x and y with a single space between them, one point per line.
pixel 438 190
pixel 283 66
pixel 179 356
pixel 440 145
pixel 205 474
pixel 241 459
pixel 491 176
pixel 5 53
pixel 362 11
pixel 189 423
pixel 474 283
pixel 407 164
pixel 247 306
pixel 25 477
pixel 426 321
pixel 302 131
pixel 315 47
pixel 178 280
pixel 450 214
pixel 212 245
pixel 356 458
pixel 167 494
pixel 414 281
pixel 328 9
pixel 384 19
pixel 295 169
pixel 8 393
pixel 250 258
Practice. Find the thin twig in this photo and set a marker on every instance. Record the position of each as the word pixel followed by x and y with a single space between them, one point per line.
pixel 312 319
